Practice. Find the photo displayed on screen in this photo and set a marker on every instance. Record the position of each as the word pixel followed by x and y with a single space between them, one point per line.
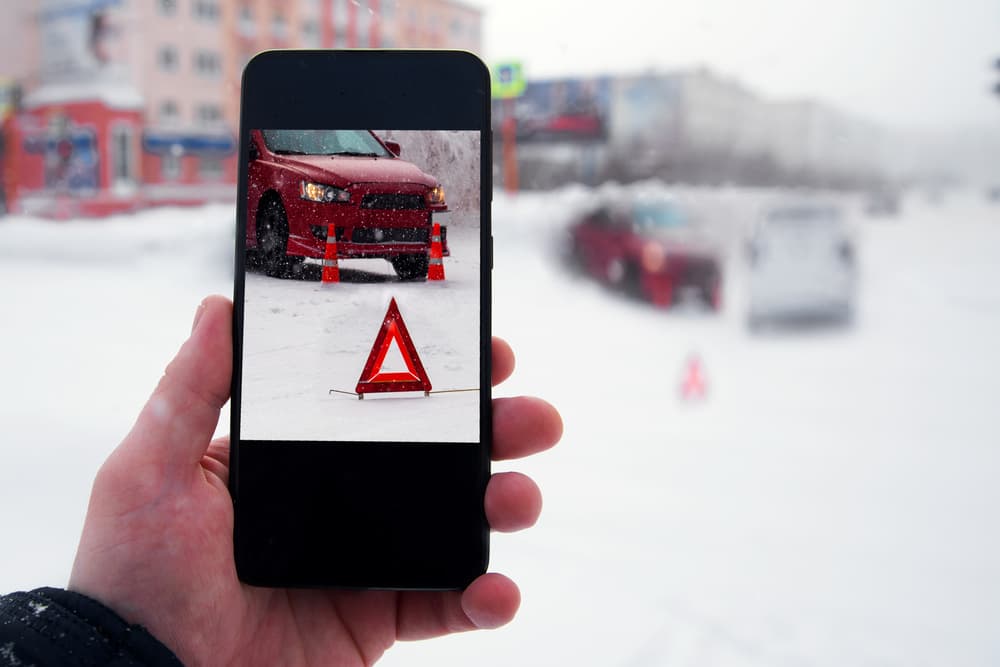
pixel 361 300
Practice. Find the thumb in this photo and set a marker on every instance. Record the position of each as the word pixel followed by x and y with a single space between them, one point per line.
pixel 177 423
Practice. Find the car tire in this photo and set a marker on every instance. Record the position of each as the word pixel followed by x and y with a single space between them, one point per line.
pixel 410 267
pixel 272 241
pixel 711 295
pixel 632 283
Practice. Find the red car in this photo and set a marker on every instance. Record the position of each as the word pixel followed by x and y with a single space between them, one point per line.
pixel 650 248
pixel 301 181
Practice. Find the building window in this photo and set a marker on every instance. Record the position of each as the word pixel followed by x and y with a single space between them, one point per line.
pixel 167 58
pixel 279 28
pixel 246 24
pixel 169 113
pixel 167 7
pixel 310 34
pixel 207 63
pixel 208 114
pixel 210 168
pixel 206 10
pixel 123 162
pixel 170 166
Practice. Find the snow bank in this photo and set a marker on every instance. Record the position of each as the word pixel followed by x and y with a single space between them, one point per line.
pixel 451 156
pixel 832 502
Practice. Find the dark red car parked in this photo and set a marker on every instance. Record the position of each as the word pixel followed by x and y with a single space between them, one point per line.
pixel 300 181
pixel 650 248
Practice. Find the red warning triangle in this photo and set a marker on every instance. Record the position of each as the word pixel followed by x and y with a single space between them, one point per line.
pixel 414 378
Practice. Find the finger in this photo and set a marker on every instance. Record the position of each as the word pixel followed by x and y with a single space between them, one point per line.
pixel 216 459
pixel 523 426
pixel 178 421
pixel 513 502
pixel 489 602
pixel 503 360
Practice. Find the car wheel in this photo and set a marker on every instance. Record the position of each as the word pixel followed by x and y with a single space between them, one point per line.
pixel 410 267
pixel 272 241
pixel 711 295
pixel 632 282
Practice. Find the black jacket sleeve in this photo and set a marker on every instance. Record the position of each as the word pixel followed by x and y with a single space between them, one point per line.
pixel 50 626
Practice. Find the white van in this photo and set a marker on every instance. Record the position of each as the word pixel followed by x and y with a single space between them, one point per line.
pixel 801 264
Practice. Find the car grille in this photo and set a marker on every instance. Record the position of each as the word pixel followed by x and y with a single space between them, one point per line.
pixel 392 202
pixel 390 235
pixel 379 234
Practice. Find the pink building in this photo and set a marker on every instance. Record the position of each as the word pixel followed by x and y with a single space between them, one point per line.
pixel 130 103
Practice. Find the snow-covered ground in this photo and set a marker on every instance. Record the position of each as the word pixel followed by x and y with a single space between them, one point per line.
pixel 833 501
pixel 304 338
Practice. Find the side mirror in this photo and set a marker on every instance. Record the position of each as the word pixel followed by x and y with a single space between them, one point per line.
pixel 394 147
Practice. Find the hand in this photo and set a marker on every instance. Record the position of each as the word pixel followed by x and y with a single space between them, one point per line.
pixel 157 543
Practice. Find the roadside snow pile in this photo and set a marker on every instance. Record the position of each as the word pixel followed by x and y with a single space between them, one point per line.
pixel 203 234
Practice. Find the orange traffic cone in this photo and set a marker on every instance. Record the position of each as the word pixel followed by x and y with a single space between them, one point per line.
pixel 435 264
pixel 331 271
pixel 693 385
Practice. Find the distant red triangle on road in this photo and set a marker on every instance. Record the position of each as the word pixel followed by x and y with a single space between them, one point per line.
pixel 373 379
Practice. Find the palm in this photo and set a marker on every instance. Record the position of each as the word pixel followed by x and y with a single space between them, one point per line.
pixel 157 543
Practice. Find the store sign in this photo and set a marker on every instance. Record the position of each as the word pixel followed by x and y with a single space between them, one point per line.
pixel 563 110
pixel 70 155
pixel 508 80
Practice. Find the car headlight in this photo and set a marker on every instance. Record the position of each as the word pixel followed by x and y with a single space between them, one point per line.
pixel 435 196
pixel 324 194
pixel 654 257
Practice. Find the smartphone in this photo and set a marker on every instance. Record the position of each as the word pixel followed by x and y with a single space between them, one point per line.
pixel 361 415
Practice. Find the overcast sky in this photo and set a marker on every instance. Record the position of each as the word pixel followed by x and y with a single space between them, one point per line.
pixel 904 63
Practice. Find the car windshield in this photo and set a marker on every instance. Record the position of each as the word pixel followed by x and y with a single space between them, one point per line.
pixel 324 142
pixel 658 217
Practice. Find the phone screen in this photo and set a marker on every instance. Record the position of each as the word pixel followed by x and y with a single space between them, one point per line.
pixel 361 302
pixel 361 396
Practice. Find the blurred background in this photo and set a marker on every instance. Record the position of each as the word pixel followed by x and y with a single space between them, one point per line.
pixel 762 240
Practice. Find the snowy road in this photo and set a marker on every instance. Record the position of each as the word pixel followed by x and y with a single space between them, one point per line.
pixel 303 338
pixel 832 502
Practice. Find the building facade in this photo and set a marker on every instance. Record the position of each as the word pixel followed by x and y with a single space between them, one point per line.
pixel 691 126
pixel 129 103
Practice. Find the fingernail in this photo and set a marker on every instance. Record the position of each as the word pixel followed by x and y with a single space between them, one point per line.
pixel 197 316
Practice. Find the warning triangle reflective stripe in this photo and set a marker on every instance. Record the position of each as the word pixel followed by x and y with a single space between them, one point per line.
pixel 393 334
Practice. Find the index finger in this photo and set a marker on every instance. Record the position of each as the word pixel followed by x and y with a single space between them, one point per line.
pixel 503 360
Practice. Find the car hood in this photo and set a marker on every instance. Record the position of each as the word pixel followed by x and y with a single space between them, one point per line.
pixel 342 170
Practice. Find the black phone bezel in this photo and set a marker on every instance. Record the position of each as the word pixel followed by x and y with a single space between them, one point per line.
pixel 363 515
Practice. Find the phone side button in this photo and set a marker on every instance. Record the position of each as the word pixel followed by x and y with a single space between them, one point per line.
pixel 491 252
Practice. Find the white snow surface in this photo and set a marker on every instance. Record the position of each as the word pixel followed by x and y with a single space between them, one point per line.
pixel 302 339
pixel 833 501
